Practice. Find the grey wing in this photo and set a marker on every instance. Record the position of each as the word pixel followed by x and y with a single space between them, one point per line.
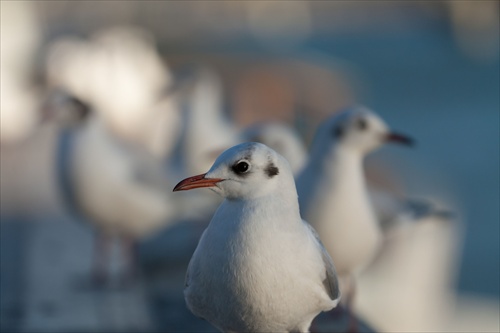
pixel 331 282
pixel 186 279
pixel 188 271
pixel 391 210
pixel 422 208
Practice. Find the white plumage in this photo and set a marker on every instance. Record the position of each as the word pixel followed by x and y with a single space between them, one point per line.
pixel 116 169
pixel 258 266
pixel 20 36
pixel 333 192
pixel 120 74
pixel 110 187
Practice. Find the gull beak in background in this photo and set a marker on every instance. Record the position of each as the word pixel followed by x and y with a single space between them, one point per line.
pixel 198 181
pixel 399 138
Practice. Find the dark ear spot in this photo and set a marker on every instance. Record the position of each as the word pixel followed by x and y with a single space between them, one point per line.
pixel 362 124
pixel 338 132
pixel 271 170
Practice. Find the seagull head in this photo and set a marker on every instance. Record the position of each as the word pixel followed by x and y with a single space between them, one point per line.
pixel 362 130
pixel 245 171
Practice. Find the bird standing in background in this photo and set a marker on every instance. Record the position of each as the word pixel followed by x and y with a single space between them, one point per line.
pixel 258 266
pixel 391 210
pixel 207 131
pixel 111 163
pixel 118 188
pixel 333 194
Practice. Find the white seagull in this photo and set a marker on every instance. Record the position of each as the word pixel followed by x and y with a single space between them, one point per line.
pixel 258 266
pixel 333 193
pixel 119 188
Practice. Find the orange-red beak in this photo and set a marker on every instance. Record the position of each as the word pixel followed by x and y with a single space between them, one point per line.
pixel 198 181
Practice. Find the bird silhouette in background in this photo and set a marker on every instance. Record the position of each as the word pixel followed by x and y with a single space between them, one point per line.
pixel 333 193
pixel 118 188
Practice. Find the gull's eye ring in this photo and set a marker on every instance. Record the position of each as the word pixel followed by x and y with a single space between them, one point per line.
pixel 241 167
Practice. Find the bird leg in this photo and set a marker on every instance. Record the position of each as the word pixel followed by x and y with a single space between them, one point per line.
pixel 130 251
pixel 100 259
pixel 352 320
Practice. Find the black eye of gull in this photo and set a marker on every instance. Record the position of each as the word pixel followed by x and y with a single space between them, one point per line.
pixel 241 167
pixel 362 124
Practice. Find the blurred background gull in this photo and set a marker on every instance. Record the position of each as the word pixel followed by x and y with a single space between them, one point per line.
pixel 175 83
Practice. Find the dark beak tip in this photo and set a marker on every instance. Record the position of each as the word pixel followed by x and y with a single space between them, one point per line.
pixel 401 139
pixel 182 184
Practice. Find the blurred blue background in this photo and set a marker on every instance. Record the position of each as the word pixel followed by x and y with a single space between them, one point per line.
pixel 431 69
